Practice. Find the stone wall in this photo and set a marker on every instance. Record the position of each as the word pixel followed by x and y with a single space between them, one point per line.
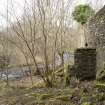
pixel 96 28
pixel 85 63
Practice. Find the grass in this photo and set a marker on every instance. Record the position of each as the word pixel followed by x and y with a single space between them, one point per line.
pixel 100 85
pixel 60 95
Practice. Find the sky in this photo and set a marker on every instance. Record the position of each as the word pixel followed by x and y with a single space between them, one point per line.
pixel 19 4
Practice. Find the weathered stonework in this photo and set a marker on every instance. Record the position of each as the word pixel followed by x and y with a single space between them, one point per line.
pixel 96 27
pixel 96 38
pixel 85 63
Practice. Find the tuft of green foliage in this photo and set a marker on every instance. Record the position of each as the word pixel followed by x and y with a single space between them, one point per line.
pixel 63 97
pixel 100 86
pixel 85 103
pixel 45 96
pixel 82 13
pixel 101 75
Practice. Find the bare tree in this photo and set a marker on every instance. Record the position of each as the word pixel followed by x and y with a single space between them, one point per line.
pixel 41 32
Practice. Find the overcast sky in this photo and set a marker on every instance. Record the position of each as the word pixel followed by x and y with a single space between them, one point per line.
pixel 96 4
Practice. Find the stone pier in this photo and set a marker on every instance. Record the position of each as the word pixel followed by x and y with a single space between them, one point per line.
pixel 85 63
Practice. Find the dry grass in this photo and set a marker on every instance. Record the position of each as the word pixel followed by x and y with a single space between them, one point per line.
pixel 86 94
